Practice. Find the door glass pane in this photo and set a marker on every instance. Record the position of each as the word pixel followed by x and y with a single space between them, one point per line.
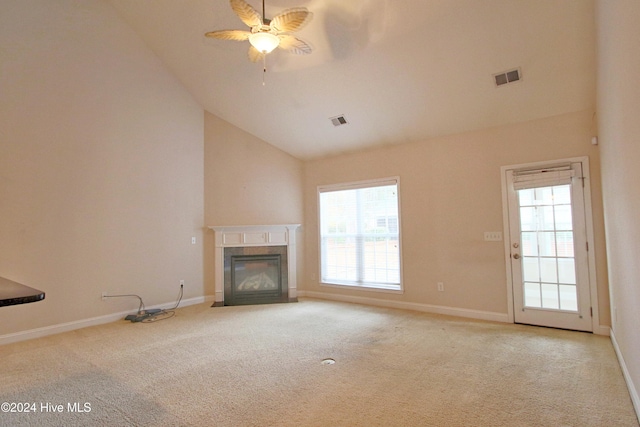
pixel 531 269
pixel 545 218
pixel 566 271
pixel 562 195
pixel 526 197
pixel 544 195
pixel 527 218
pixel 547 243
pixel 529 243
pixel 563 217
pixel 550 296
pixel 532 295
pixel 564 243
pixel 568 298
pixel 548 270
pixel 548 265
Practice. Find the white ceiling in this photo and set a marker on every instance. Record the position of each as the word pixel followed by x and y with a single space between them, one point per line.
pixel 400 71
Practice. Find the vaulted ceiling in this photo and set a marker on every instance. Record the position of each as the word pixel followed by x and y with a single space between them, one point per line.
pixel 399 71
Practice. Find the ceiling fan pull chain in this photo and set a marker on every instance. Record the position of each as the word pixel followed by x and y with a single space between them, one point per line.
pixel 264 68
pixel 264 55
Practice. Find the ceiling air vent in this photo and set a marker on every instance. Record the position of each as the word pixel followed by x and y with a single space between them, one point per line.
pixel 507 77
pixel 338 120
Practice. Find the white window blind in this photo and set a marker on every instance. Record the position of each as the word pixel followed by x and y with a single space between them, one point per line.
pixel 360 234
pixel 532 178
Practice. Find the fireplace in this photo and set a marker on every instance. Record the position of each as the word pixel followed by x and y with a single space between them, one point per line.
pixel 255 264
pixel 255 275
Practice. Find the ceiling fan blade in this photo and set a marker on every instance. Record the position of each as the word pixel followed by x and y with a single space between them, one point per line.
pixel 237 35
pixel 291 20
pixel 254 54
pixel 246 13
pixel 294 45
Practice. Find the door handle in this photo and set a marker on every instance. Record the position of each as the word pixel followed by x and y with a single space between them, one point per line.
pixel 516 256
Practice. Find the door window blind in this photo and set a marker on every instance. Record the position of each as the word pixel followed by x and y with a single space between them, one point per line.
pixel 532 178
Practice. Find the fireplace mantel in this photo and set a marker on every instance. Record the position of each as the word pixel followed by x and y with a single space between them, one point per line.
pixel 254 235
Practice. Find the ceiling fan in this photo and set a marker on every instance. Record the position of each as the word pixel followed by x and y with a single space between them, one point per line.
pixel 267 34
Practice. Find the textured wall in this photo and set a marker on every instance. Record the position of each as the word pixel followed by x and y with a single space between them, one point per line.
pixel 101 171
pixel 619 134
pixel 247 182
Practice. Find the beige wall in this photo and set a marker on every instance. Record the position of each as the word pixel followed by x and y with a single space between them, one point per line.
pixel 101 171
pixel 450 192
pixel 619 133
pixel 247 182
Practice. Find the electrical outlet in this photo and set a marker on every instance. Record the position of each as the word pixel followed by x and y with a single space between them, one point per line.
pixel 181 282
pixel 440 287
pixel 104 295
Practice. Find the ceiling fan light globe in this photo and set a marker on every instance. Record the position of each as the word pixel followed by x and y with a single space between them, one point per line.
pixel 264 42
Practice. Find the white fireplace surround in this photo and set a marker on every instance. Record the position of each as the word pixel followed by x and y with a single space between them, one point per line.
pixel 237 236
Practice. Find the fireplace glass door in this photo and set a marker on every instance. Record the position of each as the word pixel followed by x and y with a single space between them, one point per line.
pixel 255 279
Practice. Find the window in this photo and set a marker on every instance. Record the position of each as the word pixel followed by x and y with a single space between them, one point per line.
pixel 360 234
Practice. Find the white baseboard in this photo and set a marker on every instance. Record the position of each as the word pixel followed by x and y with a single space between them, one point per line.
pixel 78 324
pixel 437 309
pixel 427 308
pixel 633 391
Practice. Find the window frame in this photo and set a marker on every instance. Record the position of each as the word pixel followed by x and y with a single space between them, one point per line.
pixel 354 185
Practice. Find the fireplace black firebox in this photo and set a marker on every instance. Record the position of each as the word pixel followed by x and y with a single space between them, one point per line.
pixel 255 275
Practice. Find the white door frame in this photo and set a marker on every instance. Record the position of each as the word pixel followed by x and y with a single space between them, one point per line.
pixel 593 287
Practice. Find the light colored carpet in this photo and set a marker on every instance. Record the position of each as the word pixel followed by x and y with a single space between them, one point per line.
pixel 261 366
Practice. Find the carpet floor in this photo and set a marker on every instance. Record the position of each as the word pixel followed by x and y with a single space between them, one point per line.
pixel 263 365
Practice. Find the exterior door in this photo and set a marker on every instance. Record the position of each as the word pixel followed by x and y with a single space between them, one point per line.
pixel 548 248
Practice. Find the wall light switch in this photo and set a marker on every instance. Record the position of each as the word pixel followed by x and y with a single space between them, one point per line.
pixel 493 236
pixel 193 240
